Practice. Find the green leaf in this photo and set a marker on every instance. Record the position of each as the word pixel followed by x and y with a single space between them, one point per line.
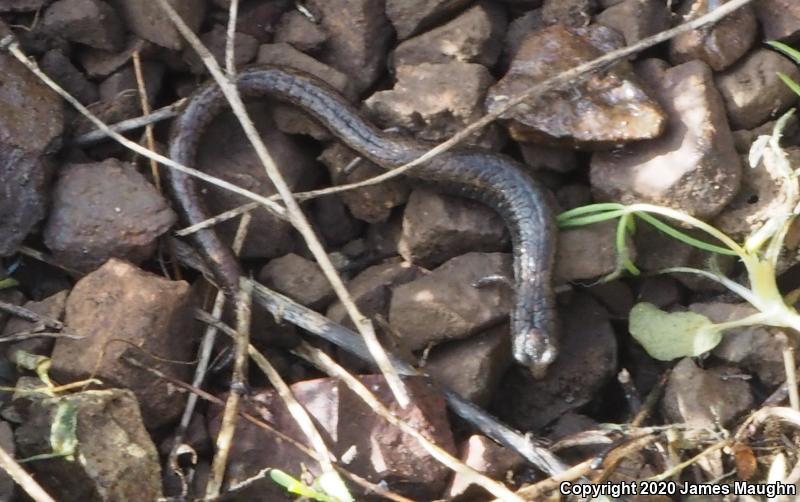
pixel 295 486
pixel 34 362
pixel 787 50
pixel 670 335
pixel 332 484
pixel 63 435
pixel 791 84
pixel 8 283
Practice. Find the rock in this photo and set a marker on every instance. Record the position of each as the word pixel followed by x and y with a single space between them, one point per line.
pixel 224 152
pixel 105 210
pixel 7 444
pixel 383 239
pixel 636 19
pixel 761 196
pixel 744 139
pixel 334 222
pixel 358 37
pixel 439 227
pixel 23 185
pixel 616 296
pixel 608 109
pixel 704 398
pixel 289 119
pixel 543 157
pixel 22 5
pixel 115 458
pixel 260 19
pixel 149 21
pixel 720 45
pixel 59 67
pixel 572 196
pixel 435 101
pixel 378 451
pixel 755 349
pixel 300 32
pixel 52 308
pixel 573 13
pixel 752 91
pixel 89 22
pixel 474 366
pixel 371 289
pixel 780 19
pixel 693 167
pixel 100 64
pixel 486 457
pixel 587 360
pixel 518 30
pixel 447 305
pixel 245 49
pixel 474 36
pixel 122 83
pixel 372 204
pixel 588 252
pixel 661 290
pixel 300 279
pixel 412 16
pixel 12 296
pixel 121 302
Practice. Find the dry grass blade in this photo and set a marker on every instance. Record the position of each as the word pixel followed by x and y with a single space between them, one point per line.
pixel 165 113
pixel 241 343
pixel 295 213
pixel 329 366
pixel 230 39
pixel 22 478
pixel 215 220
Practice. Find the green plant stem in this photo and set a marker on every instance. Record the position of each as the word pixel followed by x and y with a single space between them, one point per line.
pixel 595 218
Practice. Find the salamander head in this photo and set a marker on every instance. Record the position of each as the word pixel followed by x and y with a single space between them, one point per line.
pixel 535 349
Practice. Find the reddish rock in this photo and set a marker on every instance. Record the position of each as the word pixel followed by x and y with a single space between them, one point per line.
pixel 474 366
pixel 780 19
pixel 587 360
pixel 89 22
pixel 486 457
pixel 474 36
pixel 412 16
pixel 372 204
pixel 518 30
pixel 694 166
pixel 434 101
pixel 752 91
pixel 447 305
pixel 358 37
pixel 718 46
pixel 378 451
pixel 120 302
pixel 100 64
pixel 300 32
pixel 245 49
pixel 105 210
pixel 298 278
pixel 439 227
pixel 607 109
pixel 148 20
pixel 226 153
pixel 636 19
pixel 115 459
pixel 705 398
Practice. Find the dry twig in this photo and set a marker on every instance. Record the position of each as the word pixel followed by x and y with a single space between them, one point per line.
pixel 22 478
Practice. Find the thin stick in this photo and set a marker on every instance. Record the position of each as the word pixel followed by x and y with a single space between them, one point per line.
pixel 205 351
pixel 225 437
pixel 145 104
pixel 296 215
pixel 165 113
pixel 30 315
pixel 300 415
pixel 230 39
pixel 264 426
pixel 322 361
pixel 22 478
pixel 215 220
pixel 791 377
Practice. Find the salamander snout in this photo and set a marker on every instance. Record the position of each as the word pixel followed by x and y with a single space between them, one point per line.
pixel 534 349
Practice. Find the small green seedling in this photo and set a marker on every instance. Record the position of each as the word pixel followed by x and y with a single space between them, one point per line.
pixel 667 336
pixel 325 488
pixel 8 282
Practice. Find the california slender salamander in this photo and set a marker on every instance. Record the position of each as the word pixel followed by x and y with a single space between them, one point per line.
pixel 481 175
